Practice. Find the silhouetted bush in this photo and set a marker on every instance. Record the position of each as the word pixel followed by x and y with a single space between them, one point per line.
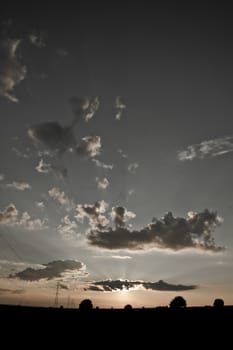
pixel 178 302
pixel 128 307
pixel 86 305
pixel 218 303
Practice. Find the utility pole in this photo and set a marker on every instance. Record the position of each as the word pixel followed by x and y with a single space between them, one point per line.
pixel 56 295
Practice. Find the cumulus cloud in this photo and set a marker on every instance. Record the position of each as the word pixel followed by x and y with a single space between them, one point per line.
pixel 20 186
pixel 102 183
pixel 37 39
pixel 116 285
pixel 209 148
pixel 12 71
pixel 52 136
pixel 100 164
pixel 133 167
pixel 169 232
pixel 61 197
pixel 84 108
pixel 119 106
pixel 10 216
pixel 43 167
pixel 90 146
pixel 51 270
pixel 94 214
pixel 121 215
pixel 67 228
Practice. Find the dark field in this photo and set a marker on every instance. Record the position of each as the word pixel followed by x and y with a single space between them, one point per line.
pixel 97 326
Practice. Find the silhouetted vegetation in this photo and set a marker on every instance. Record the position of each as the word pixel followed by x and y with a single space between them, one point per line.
pixel 178 302
pixel 218 303
pixel 86 305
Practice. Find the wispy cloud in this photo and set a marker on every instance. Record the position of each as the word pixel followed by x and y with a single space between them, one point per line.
pixel 169 232
pixel 37 39
pixel 51 270
pixel 117 285
pixel 20 186
pixel 119 106
pixel 12 71
pixel 122 153
pixel 100 164
pixel 2 177
pixel 121 257
pixel 210 148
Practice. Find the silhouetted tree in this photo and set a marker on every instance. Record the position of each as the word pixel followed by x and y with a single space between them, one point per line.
pixel 178 302
pixel 128 307
pixel 218 303
pixel 86 305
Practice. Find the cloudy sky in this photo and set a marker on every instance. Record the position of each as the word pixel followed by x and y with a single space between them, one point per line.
pixel 116 153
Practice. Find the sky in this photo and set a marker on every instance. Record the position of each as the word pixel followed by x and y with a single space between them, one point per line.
pixel 116 146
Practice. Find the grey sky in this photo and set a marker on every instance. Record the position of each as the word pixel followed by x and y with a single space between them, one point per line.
pixel 85 81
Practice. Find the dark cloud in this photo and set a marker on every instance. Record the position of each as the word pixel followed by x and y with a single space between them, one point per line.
pixel 171 232
pixel 12 71
pixel 121 215
pixel 11 291
pixel 53 136
pixel 51 270
pixel 114 285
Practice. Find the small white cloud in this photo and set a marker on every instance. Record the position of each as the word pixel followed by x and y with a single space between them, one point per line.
pixel 131 191
pixel 2 177
pixel 20 186
pixel 102 183
pixel 133 167
pixel 43 167
pixel 40 205
pixel 90 146
pixel 100 164
pixel 61 197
